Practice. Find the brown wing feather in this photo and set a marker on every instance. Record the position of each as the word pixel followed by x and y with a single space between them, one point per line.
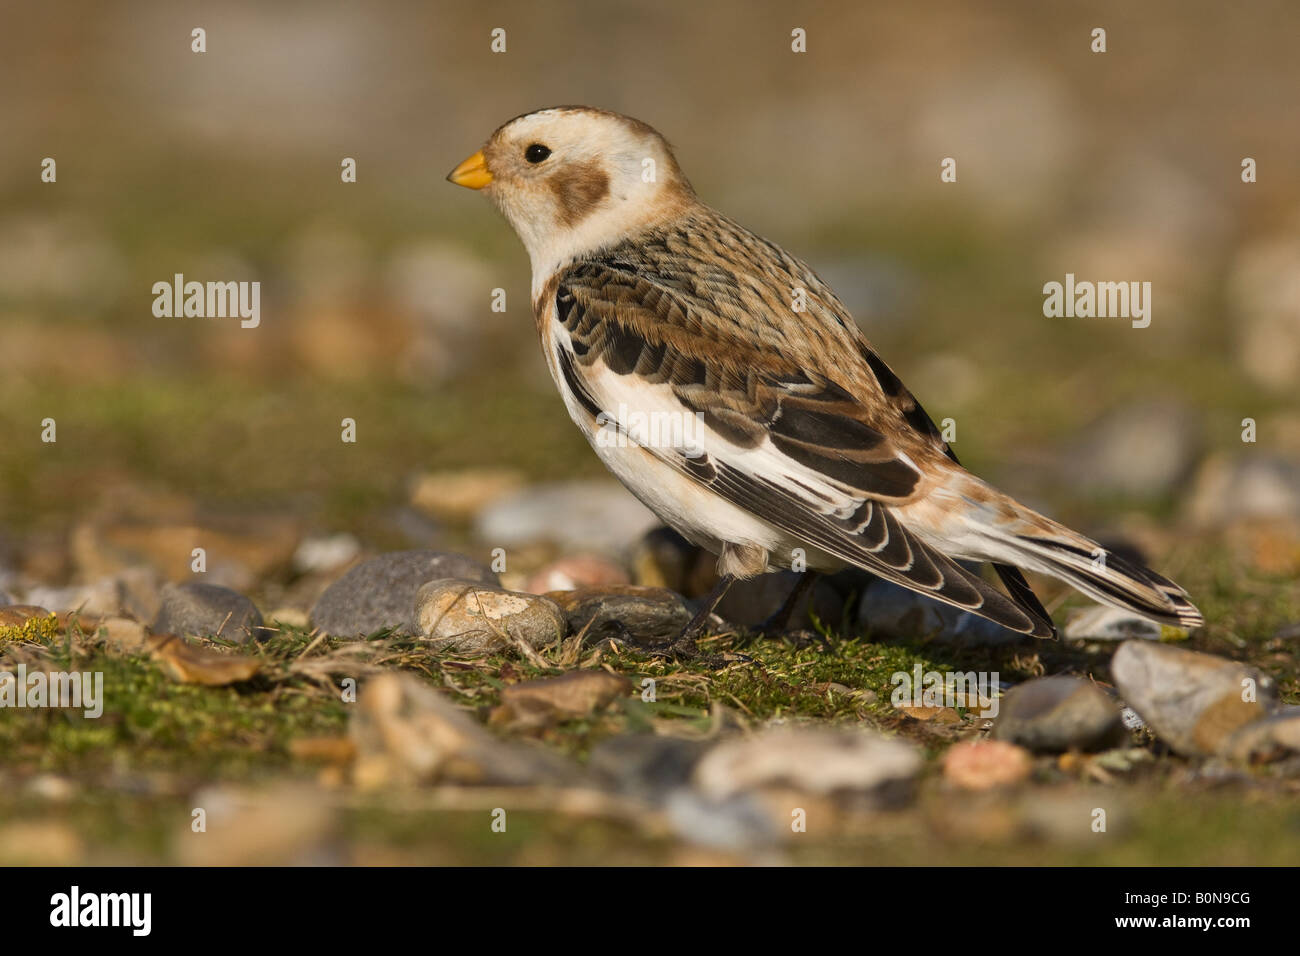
pixel 630 312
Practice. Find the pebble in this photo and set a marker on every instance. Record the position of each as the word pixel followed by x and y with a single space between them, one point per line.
pixel 466 617
pixel 735 823
pixel 207 610
pixel 1264 741
pixel 15 614
pixel 1131 719
pixel 380 593
pixel 1263 294
pixel 407 732
pixel 890 611
pixel 575 694
pixel 1192 701
pixel 646 765
pixel 1142 449
pixel 241 551
pixel 577 571
pixel 133 592
pixel 124 635
pixel 461 495
pixel 664 559
pixel 1102 623
pixel 284 824
pixel 1249 485
pixel 578 516
pixel 326 553
pixel 750 602
pixel 290 617
pixel 986 764
pixel 648 615
pixel 1051 714
pixel 816 760
pixel 40 843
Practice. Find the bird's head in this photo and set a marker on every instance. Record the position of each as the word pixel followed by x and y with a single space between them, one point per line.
pixel 573 179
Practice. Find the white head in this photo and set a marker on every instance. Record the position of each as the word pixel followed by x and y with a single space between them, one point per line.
pixel 573 179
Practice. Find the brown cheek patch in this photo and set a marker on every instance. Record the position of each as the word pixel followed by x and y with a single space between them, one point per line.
pixel 578 192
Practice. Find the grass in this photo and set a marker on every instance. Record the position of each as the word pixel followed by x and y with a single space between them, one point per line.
pixel 134 771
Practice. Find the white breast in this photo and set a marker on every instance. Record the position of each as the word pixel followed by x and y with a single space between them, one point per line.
pixel 692 509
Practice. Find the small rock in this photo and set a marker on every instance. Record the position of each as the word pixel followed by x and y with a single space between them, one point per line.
pixel 986 764
pixel 40 843
pixel 124 635
pixel 733 823
pixel 406 732
pixel 1051 714
pixel 207 610
pixel 750 602
pixel 1070 817
pixel 1192 701
pixel 819 761
pixel 1142 449
pixel 1131 719
pixel 577 571
pixel 133 592
pixel 241 550
pixel 578 516
pixel 890 611
pixel 575 694
pixel 644 765
pixel 1250 485
pixel 1101 623
pixel 664 559
pixel 15 614
pixel 461 495
pixel 649 615
pixel 465 617
pixel 934 715
pixel 380 593
pixel 325 554
pixel 1263 294
pixel 1264 741
pixel 55 789
pixel 290 617
pixel 1269 545
pixel 287 824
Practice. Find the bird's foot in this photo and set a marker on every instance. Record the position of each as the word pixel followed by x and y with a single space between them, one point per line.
pixel 685 647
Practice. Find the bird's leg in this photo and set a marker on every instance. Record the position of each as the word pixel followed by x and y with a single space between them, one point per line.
pixel 779 620
pixel 684 645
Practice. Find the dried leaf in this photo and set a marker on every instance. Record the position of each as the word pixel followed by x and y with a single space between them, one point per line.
pixel 191 664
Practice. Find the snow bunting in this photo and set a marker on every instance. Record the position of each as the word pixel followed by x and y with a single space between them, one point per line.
pixel 794 443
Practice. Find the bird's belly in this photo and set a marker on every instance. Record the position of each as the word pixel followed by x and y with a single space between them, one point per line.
pixel 693 510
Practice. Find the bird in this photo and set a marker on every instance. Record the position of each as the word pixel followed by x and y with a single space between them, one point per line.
pixel 730 390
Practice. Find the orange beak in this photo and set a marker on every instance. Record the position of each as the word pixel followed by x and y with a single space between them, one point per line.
pixel 472 174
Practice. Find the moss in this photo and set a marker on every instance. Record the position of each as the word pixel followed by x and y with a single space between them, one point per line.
pixel 34 630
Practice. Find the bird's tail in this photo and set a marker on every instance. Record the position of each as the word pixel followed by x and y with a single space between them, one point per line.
pixel 1006 532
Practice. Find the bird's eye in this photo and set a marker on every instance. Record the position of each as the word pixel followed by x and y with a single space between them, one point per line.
pixel 536 153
